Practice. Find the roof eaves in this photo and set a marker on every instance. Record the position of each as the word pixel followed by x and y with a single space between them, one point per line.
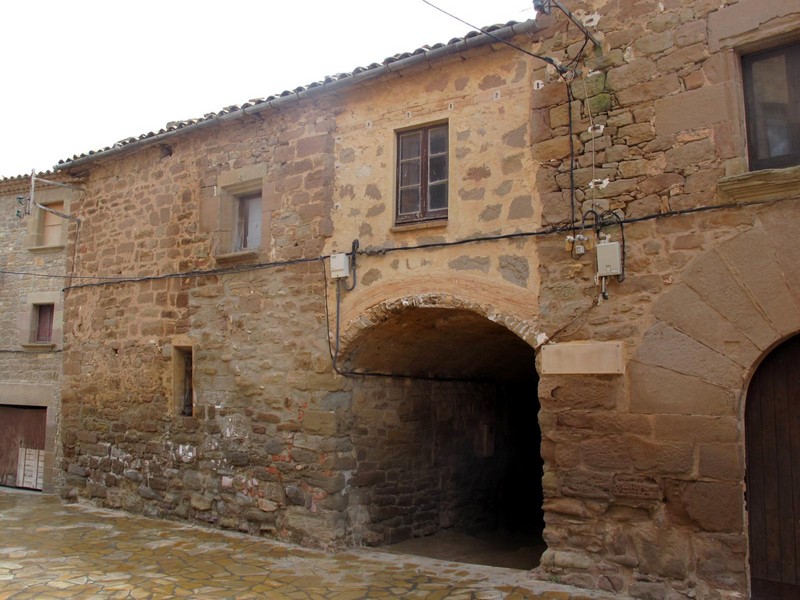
pixel 392 64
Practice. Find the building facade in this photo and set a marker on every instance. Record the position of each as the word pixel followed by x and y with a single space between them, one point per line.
pixel 469 363
pixel 34 266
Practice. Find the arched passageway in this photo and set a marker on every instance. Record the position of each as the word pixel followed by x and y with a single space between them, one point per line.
pixel 446 438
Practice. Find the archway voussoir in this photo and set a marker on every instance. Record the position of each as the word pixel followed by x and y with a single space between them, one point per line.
pixel 665 346
pixel 751 258
pixel 705 324
pixel 656 390
pixel 710 277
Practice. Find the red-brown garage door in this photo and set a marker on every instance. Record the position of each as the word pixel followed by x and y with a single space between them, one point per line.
pixel 772 423
pixel 22 437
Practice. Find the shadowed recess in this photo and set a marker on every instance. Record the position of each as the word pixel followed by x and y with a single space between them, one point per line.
pixel 442 343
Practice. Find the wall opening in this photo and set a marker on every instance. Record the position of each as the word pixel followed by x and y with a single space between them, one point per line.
pixel 772 428
pixel 448 450
pixel 22 446
pixel 183 380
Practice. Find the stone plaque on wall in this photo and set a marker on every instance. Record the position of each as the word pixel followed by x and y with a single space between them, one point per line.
pixel 583 358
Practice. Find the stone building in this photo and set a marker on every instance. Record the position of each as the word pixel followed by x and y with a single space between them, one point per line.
pixel 31 308
pixel 470 363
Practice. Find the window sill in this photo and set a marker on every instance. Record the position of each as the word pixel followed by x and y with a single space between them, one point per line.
pixel 39 347
pixel 768 184
pixel 234 257
pixel 46 249
pixel 437 224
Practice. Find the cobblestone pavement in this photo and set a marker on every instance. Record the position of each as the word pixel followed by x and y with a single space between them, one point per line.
pixel 52 550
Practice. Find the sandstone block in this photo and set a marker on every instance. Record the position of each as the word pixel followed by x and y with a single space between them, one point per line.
pixel 710 277
pixel 200 502
pixel 721 461
pixel 696 428
pixel 625 76
pixel 321 422
pixel 715 506
pixel 751 256
pixel 690 153
pixel 643 92
pixel 665 346
pixel 659 458
pixel 656 390
pixel 695 109
pixel 553 149
pixel 587 484
pixel 608 453
pixel 704 324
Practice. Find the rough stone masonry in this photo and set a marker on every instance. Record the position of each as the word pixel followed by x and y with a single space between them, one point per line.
pixel 639 474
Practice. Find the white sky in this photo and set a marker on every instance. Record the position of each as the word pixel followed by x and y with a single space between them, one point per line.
pixel 80 75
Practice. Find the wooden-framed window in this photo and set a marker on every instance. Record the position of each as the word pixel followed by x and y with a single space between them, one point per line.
pixel 43 325
pixel 772 106
pixel 422 174
pixel 248 222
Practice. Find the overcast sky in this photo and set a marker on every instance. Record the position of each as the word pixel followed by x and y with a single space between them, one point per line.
pixel 80 75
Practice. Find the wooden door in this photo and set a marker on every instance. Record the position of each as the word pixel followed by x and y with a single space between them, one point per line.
pixel 22 435
pixel 772 426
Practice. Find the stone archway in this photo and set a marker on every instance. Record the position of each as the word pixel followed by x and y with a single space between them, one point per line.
pixel 732 304
pixel 446 435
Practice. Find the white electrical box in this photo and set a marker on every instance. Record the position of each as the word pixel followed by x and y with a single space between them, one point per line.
pixel 609 259
pixel 340 266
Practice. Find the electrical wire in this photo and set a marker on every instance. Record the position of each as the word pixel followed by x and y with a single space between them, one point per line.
pixel 547 59
pixel 556 229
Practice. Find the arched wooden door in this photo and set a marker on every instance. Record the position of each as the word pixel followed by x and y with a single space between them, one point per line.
pixel 772 425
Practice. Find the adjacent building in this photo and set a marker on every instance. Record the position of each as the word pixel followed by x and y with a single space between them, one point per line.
pixel 548 286
pixel 33 272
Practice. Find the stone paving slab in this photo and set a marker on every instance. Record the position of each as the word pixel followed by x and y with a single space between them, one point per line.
pixel 52 550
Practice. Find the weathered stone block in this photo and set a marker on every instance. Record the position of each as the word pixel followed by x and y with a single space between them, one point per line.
pixel 322 422
pixel 200 502
pixel 664 346
pixel 696 428
pixel 656 390
pixel 696 109
pixel 721 461
pixel 662 86
pixel 714 506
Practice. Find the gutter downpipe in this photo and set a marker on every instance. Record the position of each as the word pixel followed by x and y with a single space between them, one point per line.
pixel 350 80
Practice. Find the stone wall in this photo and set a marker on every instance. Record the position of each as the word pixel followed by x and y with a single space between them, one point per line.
pixel 644 473
pixel 643 470
pixel 258 337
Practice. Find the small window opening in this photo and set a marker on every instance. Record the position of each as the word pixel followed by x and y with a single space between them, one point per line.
pixel 43 331
pixel 772 107
pixel 51 226
pixel 248 222
pixel 422 174
pixel 182 381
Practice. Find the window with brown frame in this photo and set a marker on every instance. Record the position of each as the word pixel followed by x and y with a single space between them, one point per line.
pixel 43 334
pixel 772 107
pixel 422 174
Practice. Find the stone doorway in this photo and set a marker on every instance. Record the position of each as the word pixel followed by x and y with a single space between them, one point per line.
pixel 447 439
pixel 772 425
